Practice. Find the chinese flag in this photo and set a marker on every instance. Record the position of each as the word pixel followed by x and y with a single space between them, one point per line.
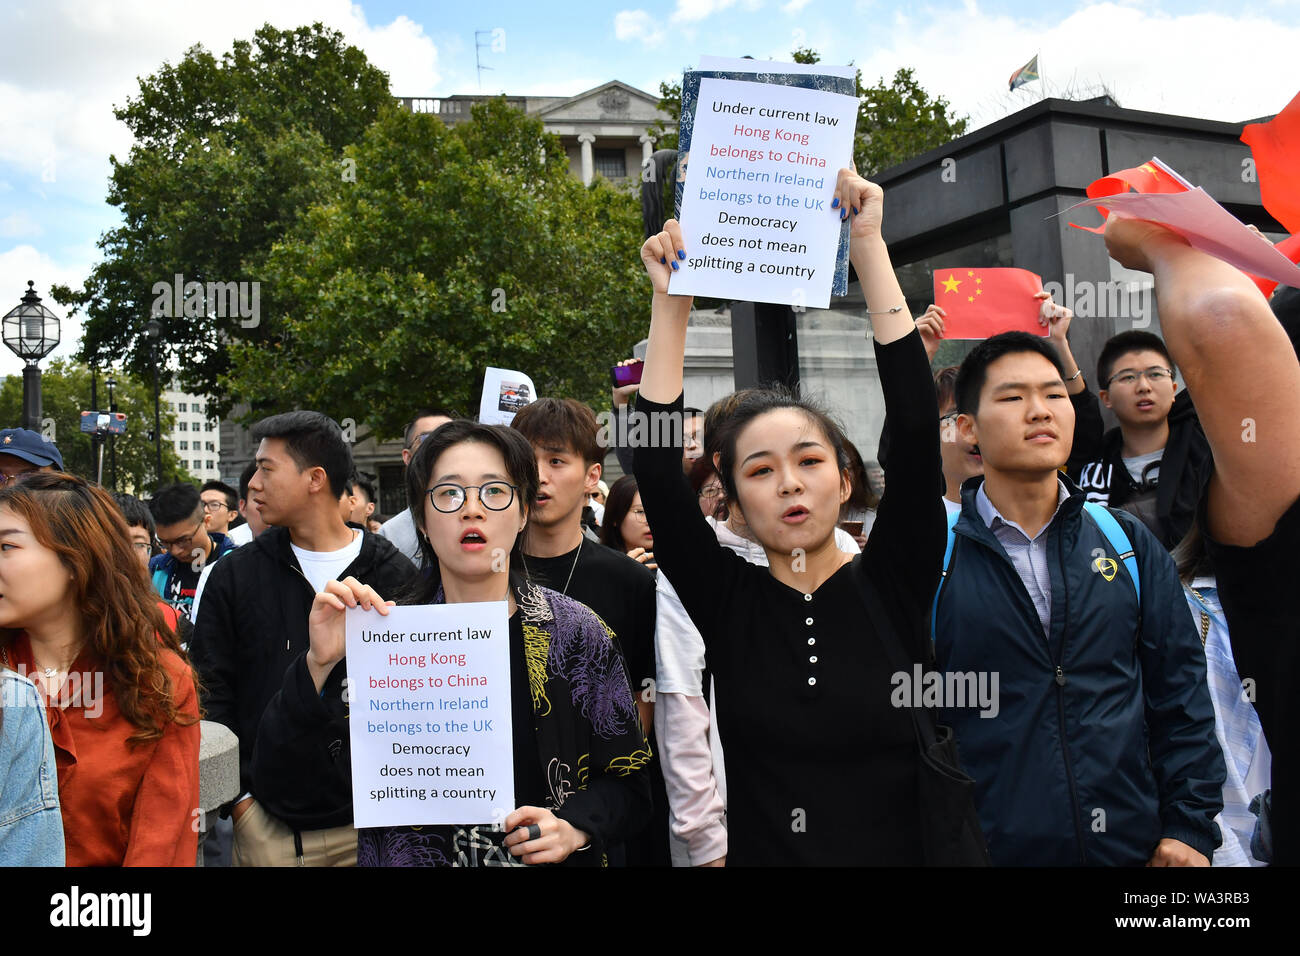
pixel 1147 178
pixel 1276 148
pixel 1290 248
pixel 984 302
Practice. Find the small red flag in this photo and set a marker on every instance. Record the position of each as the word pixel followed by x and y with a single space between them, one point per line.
pixel 1150 177
pixel 1289 247
pixel 983 302
pixel 1276 148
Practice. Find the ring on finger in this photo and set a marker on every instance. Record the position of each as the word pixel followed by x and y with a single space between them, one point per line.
pixel 534 831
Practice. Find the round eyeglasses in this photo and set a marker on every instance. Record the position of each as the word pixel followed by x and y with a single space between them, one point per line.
pixel 449 497
pixel 1155 375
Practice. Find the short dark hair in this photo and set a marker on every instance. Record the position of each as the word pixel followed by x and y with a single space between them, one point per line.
pixel 173 503
pixel 232 496
pixel 245 477
pixel 521 467
pixel 617 504
pixel 945 386
pixel 312 440
pixel 135 511
pixel 561 424
pixel 433 411
pixel 974 371
pixel 361 480
pixel 1133 340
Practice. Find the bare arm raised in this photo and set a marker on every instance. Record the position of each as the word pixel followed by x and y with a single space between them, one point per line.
pixel 1240 369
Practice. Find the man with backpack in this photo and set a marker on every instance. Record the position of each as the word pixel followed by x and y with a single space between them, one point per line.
pixel 1100 749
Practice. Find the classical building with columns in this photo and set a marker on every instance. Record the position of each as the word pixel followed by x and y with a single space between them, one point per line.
pixel 605 130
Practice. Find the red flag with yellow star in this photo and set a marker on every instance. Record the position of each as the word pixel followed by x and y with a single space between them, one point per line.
pixel 983 302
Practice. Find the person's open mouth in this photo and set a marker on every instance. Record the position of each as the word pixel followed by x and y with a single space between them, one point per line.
pixel 473 540
pixel 796 515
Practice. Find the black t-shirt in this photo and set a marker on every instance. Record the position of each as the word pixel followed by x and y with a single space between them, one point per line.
pixel 619 589
pixel 1255 586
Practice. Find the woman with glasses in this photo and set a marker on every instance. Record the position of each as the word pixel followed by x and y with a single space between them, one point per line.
pixel 625 527
pixel 78 618
pixel 578 744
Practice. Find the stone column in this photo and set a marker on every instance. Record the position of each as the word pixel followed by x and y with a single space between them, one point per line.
pixel 647 146
pixel 588 167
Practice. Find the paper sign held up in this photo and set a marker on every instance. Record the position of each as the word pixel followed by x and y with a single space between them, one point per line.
pixel 983 302
pixel 429 715
pixel 757 221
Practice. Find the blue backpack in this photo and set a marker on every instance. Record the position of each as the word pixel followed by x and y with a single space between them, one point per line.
pixel 1104 520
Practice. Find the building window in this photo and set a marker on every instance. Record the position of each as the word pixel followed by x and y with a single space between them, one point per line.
pixel 184 407
pixel 210 464
pixel 212 446
pixel 611 163
pixel 185 446
pixel 183 426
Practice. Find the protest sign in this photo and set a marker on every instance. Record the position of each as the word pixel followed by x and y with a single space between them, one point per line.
pixel 756 213
pixel 429 691
pixel 505 391
pixel 983 302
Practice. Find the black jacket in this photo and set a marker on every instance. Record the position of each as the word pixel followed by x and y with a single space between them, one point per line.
pixel 252 627
pixel 1097 465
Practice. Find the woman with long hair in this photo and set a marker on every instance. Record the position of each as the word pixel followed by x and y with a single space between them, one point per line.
pixel 78 617
pixel 578 743
pixel 821 767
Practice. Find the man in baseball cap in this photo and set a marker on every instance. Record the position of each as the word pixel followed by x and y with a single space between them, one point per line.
pixel 23 451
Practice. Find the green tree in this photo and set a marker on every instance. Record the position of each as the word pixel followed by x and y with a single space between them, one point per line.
pixel 455 249
pixel 226 156
pixel 900 120
pixel 896 120
pixel 65 394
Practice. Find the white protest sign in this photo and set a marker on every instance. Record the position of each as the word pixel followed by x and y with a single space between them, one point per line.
pixel 430 715
pixel 505 391
pixel 757 222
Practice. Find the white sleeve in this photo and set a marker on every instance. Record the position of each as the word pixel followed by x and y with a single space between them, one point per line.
pixel 679 648
pixel 198 591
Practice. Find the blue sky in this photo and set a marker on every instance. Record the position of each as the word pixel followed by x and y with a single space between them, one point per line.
pixel 68 61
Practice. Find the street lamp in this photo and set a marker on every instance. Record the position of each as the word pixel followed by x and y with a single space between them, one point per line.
pixel 32 332
pixel 153 329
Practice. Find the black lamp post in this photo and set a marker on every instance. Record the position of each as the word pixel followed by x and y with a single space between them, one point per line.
pixel 153 329
pixel 112 440
pixel 31 332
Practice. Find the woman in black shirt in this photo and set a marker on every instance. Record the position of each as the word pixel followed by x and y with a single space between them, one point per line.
pixel 821 769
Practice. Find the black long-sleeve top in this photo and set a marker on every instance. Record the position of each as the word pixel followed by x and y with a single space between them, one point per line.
pixel 821 768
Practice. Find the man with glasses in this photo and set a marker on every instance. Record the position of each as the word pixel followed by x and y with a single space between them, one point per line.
pixel 1155 464
pixel 400 529
pixel 183 527
pixel 221 502
pixel 23 451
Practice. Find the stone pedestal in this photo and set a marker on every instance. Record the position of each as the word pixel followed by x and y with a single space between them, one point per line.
pixel 218 772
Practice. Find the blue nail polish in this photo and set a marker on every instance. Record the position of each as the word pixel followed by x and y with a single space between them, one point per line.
pixel 835 202
pixel 855 210
pixel 681 253
pixel 674 266
pixel 663 260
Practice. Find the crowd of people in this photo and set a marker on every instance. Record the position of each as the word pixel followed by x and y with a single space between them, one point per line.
pixel 1042 643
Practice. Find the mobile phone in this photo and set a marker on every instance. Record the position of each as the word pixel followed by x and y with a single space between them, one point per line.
pixel 622 375
pixel 103 423
pixel 853 528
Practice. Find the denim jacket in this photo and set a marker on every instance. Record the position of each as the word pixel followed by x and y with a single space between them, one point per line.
pixel 31 827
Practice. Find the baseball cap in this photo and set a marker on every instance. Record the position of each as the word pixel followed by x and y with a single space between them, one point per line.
pixel 29 446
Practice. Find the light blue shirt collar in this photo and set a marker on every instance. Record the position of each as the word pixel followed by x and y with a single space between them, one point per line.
pixel 988 513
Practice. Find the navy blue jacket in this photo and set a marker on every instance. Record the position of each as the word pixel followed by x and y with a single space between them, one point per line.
pixel 1103 743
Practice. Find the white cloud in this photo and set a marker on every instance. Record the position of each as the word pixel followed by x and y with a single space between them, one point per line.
pixel 692 11
pixel 794 6
pixel 637 25
pixel 20 264
pixel 19 224
pixel 1148 60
